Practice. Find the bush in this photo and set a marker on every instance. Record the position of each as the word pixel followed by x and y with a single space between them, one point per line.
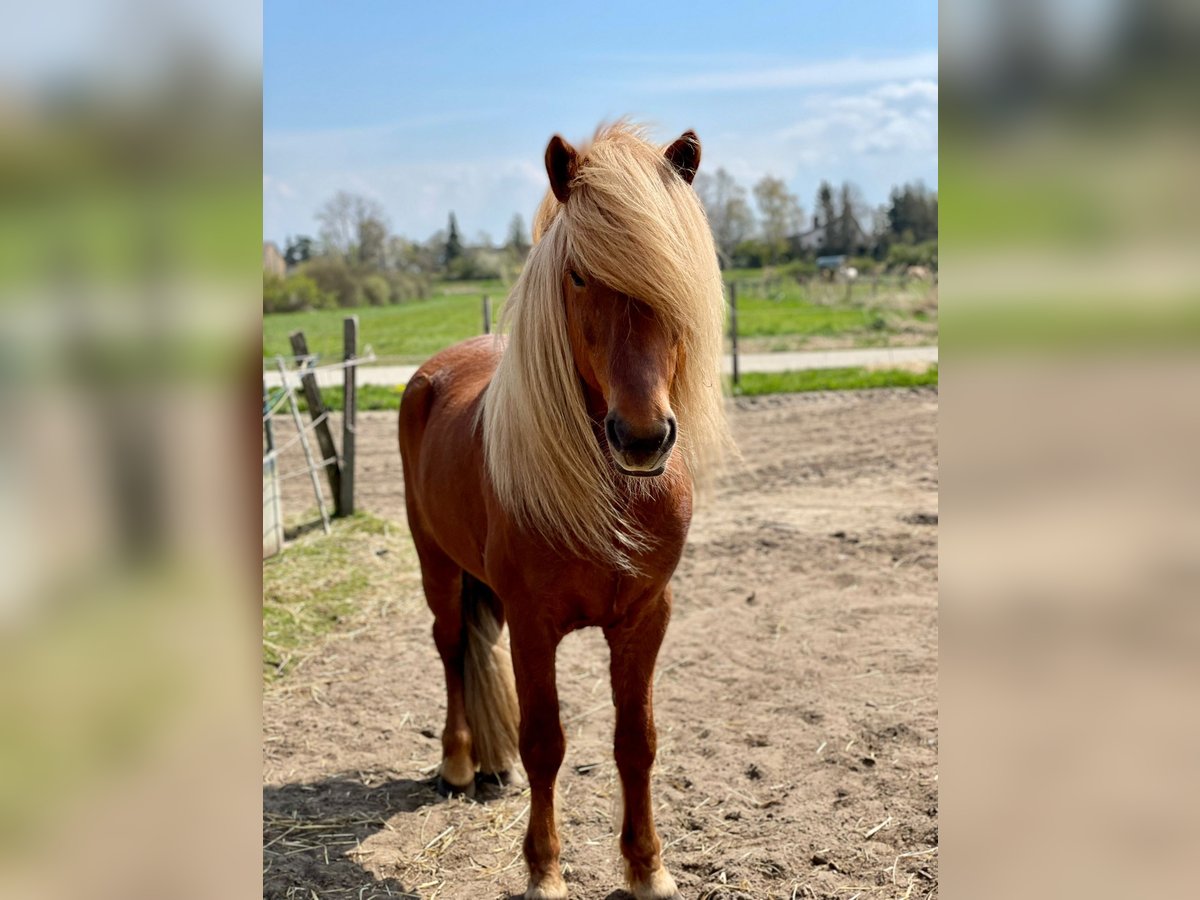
pixel 333 276
pixel 273 295
pixel 475 265
pixel 376 290
pixel 901 256
pixel 800 270
pixel 293 294
pixel 865 264
pixel 405 286
pixel 751 254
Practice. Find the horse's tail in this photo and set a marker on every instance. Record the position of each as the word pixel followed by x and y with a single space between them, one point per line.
pixel 491 695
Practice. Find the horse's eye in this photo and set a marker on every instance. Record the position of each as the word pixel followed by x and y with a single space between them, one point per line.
pixel 575 279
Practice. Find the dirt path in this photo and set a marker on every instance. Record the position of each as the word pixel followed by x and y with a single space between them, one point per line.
pixel 796 694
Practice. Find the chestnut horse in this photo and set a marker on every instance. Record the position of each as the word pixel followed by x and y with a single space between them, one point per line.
pixel 549 476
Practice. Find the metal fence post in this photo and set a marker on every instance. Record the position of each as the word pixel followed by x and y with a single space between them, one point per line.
pixel 268 425
pixel 487 314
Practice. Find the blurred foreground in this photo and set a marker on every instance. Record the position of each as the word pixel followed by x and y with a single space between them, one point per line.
pixel 1070 438
pixel 129 274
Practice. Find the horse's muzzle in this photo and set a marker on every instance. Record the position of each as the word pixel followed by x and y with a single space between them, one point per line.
pixel 642 451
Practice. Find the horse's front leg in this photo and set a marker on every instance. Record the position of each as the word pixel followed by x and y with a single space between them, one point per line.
pixel 634 644
pixel 543 745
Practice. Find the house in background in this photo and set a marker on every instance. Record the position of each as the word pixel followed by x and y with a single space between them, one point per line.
pixel 273 262
pixel 814 240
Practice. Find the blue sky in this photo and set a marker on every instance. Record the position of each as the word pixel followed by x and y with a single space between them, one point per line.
pixel 430 108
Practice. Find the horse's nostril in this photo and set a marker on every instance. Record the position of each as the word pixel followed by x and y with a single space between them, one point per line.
pixel 611 432
pixel 672 432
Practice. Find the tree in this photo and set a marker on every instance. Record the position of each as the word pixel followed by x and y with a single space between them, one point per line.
pixel 353 228
pixel 372 242
pixel 780 213
pixel 852 210
pixel 453 249
pixel 826 220
pixel 880 233
pixel 912 215
pixel 298 250
pixel 518 238
pixel 729 215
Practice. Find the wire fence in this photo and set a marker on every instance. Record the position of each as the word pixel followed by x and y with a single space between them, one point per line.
pixel 302 373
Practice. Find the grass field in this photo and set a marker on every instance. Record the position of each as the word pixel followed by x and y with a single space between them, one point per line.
pixel 779 314
pixel 409 332
pixel 868 311
pixel 847 379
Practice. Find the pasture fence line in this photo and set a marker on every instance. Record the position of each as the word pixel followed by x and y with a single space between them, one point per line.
pixel 838 289
pixel 300 373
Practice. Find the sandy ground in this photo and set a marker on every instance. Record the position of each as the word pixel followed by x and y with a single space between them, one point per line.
pixel 796 694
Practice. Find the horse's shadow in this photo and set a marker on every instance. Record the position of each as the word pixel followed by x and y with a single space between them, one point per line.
pixel 311 830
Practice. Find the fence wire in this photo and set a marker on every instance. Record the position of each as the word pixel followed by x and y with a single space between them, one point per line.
pixel 280 401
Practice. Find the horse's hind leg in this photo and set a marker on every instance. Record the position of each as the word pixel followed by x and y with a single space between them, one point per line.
pixel 443 591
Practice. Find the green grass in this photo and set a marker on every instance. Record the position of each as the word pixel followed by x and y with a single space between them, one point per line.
pixel 370 396
pixel 104 232
pixel 320 582
pixel 783 306
pixel 846 379
pixel 762 317
pixel 414 330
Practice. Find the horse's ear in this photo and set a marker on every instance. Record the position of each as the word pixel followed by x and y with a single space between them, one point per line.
pixel 560 166
pixel 684 155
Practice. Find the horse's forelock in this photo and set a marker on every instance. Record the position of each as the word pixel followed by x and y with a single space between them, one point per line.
pixel 634 224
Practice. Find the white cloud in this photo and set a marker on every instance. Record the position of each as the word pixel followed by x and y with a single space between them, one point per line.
pixel 306 168
pixel 877 137
pixel 893 118
pixel 923 90
pixel 824 74
pixel 417 197
pixel 275 187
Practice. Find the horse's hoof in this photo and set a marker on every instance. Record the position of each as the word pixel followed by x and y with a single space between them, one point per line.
pixel 659 886
pixel 446 789
pixel 505 778
pixel 548 887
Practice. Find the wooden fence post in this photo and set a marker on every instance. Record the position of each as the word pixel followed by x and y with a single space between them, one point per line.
pixel 349 411
pixel 733 329
pixel 487 314
pixel 268 427
pixel 316 410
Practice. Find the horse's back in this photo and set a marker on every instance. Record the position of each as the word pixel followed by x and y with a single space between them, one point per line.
pixel 442 450
pixel 446 381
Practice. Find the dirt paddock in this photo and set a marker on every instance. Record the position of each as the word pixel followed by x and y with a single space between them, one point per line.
pixel 796 694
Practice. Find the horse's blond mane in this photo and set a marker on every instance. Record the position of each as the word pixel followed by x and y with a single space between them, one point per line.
pixel 635 225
